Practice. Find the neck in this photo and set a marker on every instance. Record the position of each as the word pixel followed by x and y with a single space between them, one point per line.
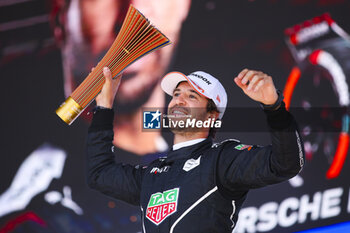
pixel 187 136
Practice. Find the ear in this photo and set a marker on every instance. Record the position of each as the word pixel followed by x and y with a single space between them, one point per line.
pixel 214 114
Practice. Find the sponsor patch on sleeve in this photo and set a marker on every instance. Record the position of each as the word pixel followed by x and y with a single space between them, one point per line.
pixel 243 147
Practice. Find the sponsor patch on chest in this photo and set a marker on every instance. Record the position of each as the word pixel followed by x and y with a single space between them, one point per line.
pixel 156 170
pixel 191 163
pixel 162 205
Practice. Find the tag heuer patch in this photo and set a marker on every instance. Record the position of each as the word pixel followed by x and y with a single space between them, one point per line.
pixel 242 147
pixel 162 205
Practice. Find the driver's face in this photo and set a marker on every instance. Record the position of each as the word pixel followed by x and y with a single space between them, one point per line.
pixel 186 103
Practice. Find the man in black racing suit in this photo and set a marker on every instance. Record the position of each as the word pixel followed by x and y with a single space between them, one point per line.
pixel 199 186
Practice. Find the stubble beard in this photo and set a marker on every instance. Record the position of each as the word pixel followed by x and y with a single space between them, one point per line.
pixel 188 130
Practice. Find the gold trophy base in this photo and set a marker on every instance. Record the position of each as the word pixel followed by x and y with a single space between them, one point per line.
pixel 69 110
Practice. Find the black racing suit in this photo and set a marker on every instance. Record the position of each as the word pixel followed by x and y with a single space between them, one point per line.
pixel 198 188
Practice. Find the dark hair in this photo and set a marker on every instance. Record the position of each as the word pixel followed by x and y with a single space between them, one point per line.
pixel 211 107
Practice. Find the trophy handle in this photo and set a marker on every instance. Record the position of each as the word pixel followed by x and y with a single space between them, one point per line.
pixel 69 110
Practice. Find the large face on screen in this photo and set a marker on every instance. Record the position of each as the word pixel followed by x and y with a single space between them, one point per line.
pixel 89 27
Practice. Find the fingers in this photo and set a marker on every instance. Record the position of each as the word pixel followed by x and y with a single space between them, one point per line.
pixel 250 80
pixel 107 73
pixel 111 82
pixel 258 85
pixel 238 80
pixel 116 81
pixel 239 83
pixel 248 76
pixel 119 76
pixel 253 81
pixel 242 73
pixel 109 89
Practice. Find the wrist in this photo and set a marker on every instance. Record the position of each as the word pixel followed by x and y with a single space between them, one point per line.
pixel 99 108
pixel 279 119
pixel 276 105
pixel 105 105
pixel 102 119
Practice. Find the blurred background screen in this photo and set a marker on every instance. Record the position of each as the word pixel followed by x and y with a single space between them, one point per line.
pixel 47 47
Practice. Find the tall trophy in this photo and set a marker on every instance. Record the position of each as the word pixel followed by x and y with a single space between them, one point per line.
pixel 136 38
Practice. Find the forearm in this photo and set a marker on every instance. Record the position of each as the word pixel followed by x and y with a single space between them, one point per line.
pixel 99 145
pixel 287 147
pixel 103 174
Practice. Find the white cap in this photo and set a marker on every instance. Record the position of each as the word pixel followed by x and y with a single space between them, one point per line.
pixel 203 83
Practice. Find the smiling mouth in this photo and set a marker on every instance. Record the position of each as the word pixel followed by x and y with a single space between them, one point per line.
pixel 179 113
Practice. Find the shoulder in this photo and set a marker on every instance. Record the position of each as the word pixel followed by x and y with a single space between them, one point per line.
pixel 232 145
pixel 226 142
